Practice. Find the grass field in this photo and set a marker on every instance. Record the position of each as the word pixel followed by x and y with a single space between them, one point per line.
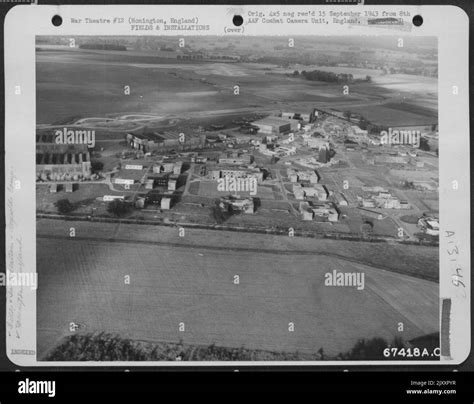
pixel 82 281
pixel 89 84
pixel 395 114
pixel 86 86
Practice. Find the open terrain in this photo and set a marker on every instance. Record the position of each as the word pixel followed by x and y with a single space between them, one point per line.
pixel 82 281
pixel 78 83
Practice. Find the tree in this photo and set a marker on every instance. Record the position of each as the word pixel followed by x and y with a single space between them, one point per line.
pixel 296 73
pixel 64 206
pixel 217 213
pixel 368 79
pixel 367 228
pixel 364 124
pixel 371 349
pixel 424 145
pixel 118 208
pixel 96 166
pixel 347 114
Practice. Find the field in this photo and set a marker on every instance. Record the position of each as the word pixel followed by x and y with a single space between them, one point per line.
pixel 209 189
pixel 83 195
pixel 86 86
pixel 76 83
pixel 84 284
pixel 388 115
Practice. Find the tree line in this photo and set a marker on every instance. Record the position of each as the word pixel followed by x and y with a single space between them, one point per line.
pixel 329 77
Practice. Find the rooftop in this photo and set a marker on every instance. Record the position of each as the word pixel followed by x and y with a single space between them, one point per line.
pixel 271 121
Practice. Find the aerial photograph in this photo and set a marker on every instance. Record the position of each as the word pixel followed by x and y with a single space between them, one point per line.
pixel 230 198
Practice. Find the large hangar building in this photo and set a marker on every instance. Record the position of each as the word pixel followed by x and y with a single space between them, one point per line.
pixel 272 126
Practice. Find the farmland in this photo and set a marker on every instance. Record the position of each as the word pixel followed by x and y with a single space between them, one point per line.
pixel 84 284
pixel 91 84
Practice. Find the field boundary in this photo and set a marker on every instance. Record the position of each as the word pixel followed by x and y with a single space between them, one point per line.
pixel 242 249
pixel 253 229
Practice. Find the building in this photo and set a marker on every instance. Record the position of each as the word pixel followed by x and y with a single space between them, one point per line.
pixel 123 181
pixel 173 182
pixel 145 142
pixel 340 199
pixel 164 141
pixel 371 214
pixel 175 168
pixel 198 159
pixel 405 205
pixel 317 143
pixel 292 175
pixel 309 176
pixel 72 165
pixel 374 189
pixel 62 161
pixel 359 134
pixel 316 191
pixel 269 139
pixel 384 194
pixel 306 211
pixel 236 172
pixel 429 225
pixel 324 211
pixel 306 117
pixel 298 191
pixel 214 174
pixel 285 150
pixel 245 205
pixel 386 200
pixel 425 185
pixel 133 167
pixel 388 203
pixel 319 211
pixel 272 126
pixel 110 198
pixel 178 167
pixel 287 139
pixel 368 203
pixel 160 180
pixel 165 203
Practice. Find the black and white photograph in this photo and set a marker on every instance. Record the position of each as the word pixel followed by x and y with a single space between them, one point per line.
pixel 272 200
pixel 237 199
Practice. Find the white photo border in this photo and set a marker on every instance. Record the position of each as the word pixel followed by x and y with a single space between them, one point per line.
pixel 23 23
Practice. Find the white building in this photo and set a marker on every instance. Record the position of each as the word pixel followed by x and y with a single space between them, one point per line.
pixel 165 203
